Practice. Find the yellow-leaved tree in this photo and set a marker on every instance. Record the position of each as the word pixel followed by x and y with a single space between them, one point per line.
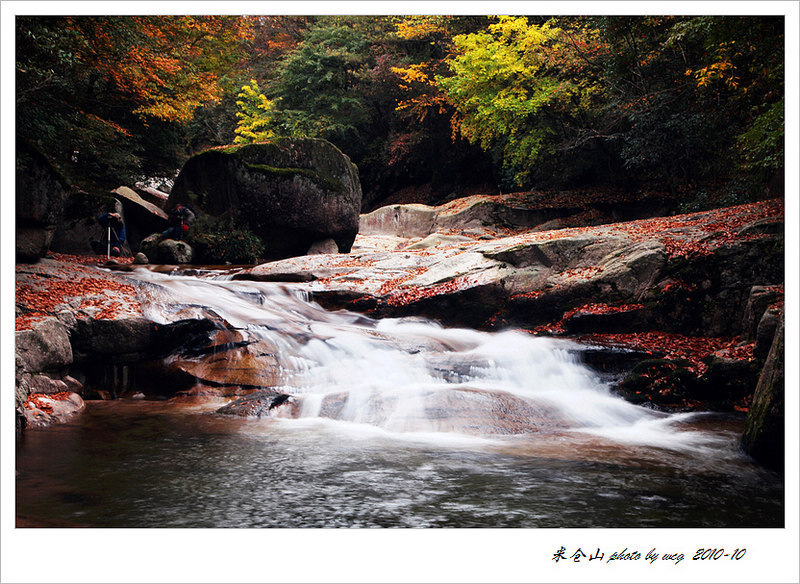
pixel 256 115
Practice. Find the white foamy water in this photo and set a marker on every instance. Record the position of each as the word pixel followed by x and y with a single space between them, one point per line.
pixel 412 376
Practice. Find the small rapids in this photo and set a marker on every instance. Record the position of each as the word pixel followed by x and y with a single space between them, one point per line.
pixel 391 423
pixel 414 378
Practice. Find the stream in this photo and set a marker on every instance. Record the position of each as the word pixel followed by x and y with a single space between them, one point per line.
pixel 391 423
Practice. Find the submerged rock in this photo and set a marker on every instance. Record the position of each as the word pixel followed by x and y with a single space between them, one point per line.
pixel 230 360
pixel 264 403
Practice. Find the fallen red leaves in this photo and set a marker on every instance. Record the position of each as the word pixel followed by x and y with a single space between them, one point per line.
pixel 682 235
pixel 531 295
pixel 38 293
pixel 601 309
pixel 394 283
pixel 82 259
pixel 701 233
pixel 586 273
pixel 670 285
pixel 39 401
pixel 674 346
pixel 416 294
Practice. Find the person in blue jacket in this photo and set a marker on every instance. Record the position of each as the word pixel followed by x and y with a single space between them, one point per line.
pixel 115 230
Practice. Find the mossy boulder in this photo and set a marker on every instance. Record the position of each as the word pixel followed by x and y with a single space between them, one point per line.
pixel 289 192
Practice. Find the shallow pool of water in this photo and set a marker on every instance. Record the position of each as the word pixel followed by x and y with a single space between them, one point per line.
pixel 166 464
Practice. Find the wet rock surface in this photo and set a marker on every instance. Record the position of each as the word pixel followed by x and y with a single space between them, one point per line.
pixel 668 290
pixel 528 278
pixel 764 437
pixel 42 410
pixel 263 403
pixel 670 285
pixel 80 330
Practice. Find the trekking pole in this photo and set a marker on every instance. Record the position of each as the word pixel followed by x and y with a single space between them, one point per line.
pixel 108 248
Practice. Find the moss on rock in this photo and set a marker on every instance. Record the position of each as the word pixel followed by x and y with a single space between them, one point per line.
pixel 288 192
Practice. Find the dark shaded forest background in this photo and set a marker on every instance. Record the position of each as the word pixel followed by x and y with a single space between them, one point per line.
pixel 428 107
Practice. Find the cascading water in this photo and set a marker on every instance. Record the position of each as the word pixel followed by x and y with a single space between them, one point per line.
pixel 397 423
pixel 412 376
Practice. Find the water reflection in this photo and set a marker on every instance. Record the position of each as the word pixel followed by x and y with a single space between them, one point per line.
pixel 148 464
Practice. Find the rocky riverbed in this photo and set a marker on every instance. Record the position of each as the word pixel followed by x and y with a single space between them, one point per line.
pixel 697 297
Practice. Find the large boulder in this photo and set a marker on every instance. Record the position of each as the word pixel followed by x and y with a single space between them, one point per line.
pixel 45 347
pixel 289 192
pixel 152 195
pixel 40 196
pixel 166 251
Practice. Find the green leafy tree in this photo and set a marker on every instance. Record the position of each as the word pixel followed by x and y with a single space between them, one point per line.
pixel 511 93
pixel 318 83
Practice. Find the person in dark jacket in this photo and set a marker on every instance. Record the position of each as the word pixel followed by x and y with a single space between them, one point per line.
pixel 179 220
pixel 114 234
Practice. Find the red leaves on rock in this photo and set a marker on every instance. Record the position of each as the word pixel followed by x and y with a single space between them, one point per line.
pixel 550 328
pixel 42 302
pixel 45 287
pixel 674 346
pixel 87 260
pixel 531 295
pixel 671 285
pixel 394 283
pixel 698 234
pixel 39 401
pixel 586 273
pixel 601 309
pixel 682 235
pixel 416 294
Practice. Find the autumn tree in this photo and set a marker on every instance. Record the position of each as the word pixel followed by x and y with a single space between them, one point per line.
pixel 100 95
pixel 422 151
pixel 428 104
pixel 516 90
pixel 273 37
pixel 698 100
pixel 684 104
pixel 256 115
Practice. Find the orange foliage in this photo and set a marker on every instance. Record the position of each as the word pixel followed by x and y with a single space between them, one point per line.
pixel 37 400
pixel 601 309
pixel 167 66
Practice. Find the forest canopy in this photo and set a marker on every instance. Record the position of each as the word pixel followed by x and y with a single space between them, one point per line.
pixel 435 105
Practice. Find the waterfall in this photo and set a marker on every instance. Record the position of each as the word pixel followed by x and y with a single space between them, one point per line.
pixel 412 375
